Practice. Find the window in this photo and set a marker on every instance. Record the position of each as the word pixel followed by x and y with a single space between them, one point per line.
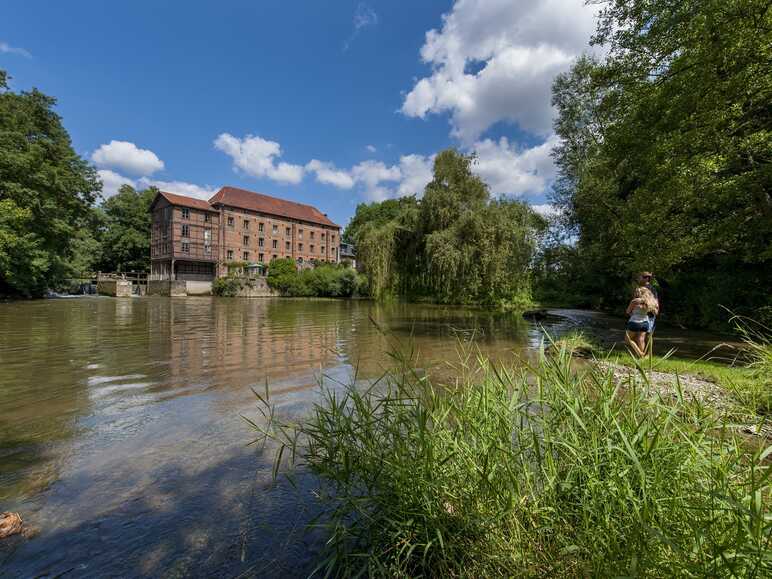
pixel 246 256
pixel 230 222
pixel 322 235
pixel 186 231
pixel 323 250
pixel 300 234
pixel 260 227
pixel 246 240
pixel 274 257
pixel 312 235
pixel 230 255
pixel 207 240
pixel 207 217
pixel 185 213
pixel 332 238
pixel 246 224
pixel 185 247
pixel 275 229
pixel 300 247
pixel 260 257
pixel 287 245
pixel 275 244
pixel 312 249
pixel 260 242
pixel 288 231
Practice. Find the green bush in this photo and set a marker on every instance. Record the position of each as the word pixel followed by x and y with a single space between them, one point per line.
pixel 282 275
pixel 555 473
pixel 324 280
pixel 227 286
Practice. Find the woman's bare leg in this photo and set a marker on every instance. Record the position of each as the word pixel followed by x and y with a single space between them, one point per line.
pixel 631 341
pixel 640 337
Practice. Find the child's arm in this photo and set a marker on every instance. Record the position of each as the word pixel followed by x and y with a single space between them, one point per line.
pixel 631 306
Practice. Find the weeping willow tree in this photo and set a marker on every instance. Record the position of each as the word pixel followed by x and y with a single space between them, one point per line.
pixel 375 251
pixel 454 245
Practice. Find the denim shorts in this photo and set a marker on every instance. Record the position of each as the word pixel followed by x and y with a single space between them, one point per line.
pixel 637 326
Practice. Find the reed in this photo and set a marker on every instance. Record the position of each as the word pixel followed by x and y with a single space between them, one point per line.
pixel 527 471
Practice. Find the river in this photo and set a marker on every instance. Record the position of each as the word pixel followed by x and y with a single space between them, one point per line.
pixel 121 438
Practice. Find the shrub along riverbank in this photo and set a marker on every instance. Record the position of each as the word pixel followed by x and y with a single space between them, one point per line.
pixel 324 280
pixel 544 471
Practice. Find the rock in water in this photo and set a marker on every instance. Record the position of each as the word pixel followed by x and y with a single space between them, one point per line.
pixel 10 524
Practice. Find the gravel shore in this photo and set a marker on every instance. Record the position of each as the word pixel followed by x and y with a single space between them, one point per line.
pixel 692 388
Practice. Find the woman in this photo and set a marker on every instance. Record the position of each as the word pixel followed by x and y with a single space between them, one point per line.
pixel 640 306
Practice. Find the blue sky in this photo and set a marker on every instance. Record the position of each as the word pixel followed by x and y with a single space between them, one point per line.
pixel 327 103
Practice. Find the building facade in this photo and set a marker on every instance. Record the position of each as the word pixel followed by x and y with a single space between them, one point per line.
pixel 195 240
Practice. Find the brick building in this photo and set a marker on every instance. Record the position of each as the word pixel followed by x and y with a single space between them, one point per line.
pixel 194 240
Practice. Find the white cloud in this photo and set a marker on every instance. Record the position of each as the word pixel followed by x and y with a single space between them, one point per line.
pixel 127 157
pixel 376 180
pixel 179 187
pixel 111 182
pixel 328 174
pixel 257 157
pixel 364 16
pixel 516 47
pixel 380 181
pixel 416 171
pixel 371 148
pixel 510 170
pixel 6 48
pixel 372 174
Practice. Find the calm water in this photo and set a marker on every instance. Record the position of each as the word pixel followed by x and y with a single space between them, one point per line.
pixel 121 437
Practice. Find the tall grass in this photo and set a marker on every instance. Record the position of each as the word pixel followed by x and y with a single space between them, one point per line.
pixel 757 339
pixel 542 471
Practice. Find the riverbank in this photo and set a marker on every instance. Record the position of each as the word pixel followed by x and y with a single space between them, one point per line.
pixel 739 386
pixel 547 470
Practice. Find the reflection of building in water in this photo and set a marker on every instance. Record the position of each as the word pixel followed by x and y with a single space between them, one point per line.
pixel 238 343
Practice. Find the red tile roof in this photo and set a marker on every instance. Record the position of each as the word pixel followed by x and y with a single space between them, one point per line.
pixel 264 204
pixel 184 201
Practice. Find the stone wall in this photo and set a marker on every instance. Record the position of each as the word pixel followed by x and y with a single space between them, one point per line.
pixel 119 288
pixel 257 288
pixel 198 288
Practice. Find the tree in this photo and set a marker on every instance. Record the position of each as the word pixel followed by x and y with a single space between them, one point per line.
pixel 46 191
pixel 455 245
pixel 374 214
pixel 125 237
pixel 666 149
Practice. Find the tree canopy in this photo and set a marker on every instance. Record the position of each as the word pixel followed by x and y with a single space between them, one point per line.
pixel 665 155
pixel 125 237
pixel 454 245
pixel 46 193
